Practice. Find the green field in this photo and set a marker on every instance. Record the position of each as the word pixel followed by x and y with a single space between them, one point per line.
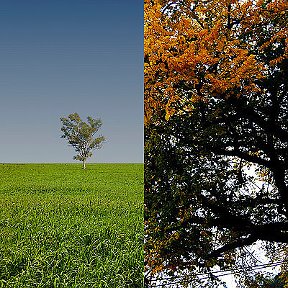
pixel 61 226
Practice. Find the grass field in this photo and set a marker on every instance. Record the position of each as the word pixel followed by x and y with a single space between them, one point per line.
pixel 61 226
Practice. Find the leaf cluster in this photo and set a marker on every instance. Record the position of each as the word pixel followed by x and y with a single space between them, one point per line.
pixel 216 133
pixel 81 135
pixel 209 48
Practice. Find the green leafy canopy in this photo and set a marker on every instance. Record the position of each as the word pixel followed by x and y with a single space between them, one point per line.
pixel 81 135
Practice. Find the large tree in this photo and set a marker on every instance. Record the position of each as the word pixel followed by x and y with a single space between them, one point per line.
pixel 216 133
pixel 81 135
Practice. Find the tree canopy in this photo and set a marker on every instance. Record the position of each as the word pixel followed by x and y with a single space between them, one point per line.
pixel 216 133
pixel 81 135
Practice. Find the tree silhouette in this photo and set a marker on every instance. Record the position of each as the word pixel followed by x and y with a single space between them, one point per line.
pixel 216 132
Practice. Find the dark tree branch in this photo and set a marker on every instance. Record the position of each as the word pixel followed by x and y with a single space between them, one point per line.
pixel 233 245
pixel 270 127
pixel 268 232
pixel 242 155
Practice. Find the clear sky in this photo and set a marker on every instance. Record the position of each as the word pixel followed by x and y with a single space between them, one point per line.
pixel 63 56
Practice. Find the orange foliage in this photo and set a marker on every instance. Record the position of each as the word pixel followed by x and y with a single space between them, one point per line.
pixel 209 46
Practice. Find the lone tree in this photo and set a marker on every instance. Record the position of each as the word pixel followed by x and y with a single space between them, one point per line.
pixel 81 135
pixel 216 135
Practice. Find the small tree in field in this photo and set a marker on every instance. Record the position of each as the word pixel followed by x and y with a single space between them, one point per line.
pixel 81 135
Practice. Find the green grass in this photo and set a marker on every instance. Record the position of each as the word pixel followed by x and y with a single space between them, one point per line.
pixel 61 226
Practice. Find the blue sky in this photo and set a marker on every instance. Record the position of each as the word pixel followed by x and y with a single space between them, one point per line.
pixel 65 56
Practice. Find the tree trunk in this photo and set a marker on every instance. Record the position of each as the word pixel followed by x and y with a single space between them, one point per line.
pixel 84 164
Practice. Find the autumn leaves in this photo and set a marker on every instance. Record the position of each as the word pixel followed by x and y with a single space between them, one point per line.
pixel 215 105
pixel 206 48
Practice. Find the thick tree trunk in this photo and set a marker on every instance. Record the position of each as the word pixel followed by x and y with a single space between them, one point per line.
pixel 84 164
